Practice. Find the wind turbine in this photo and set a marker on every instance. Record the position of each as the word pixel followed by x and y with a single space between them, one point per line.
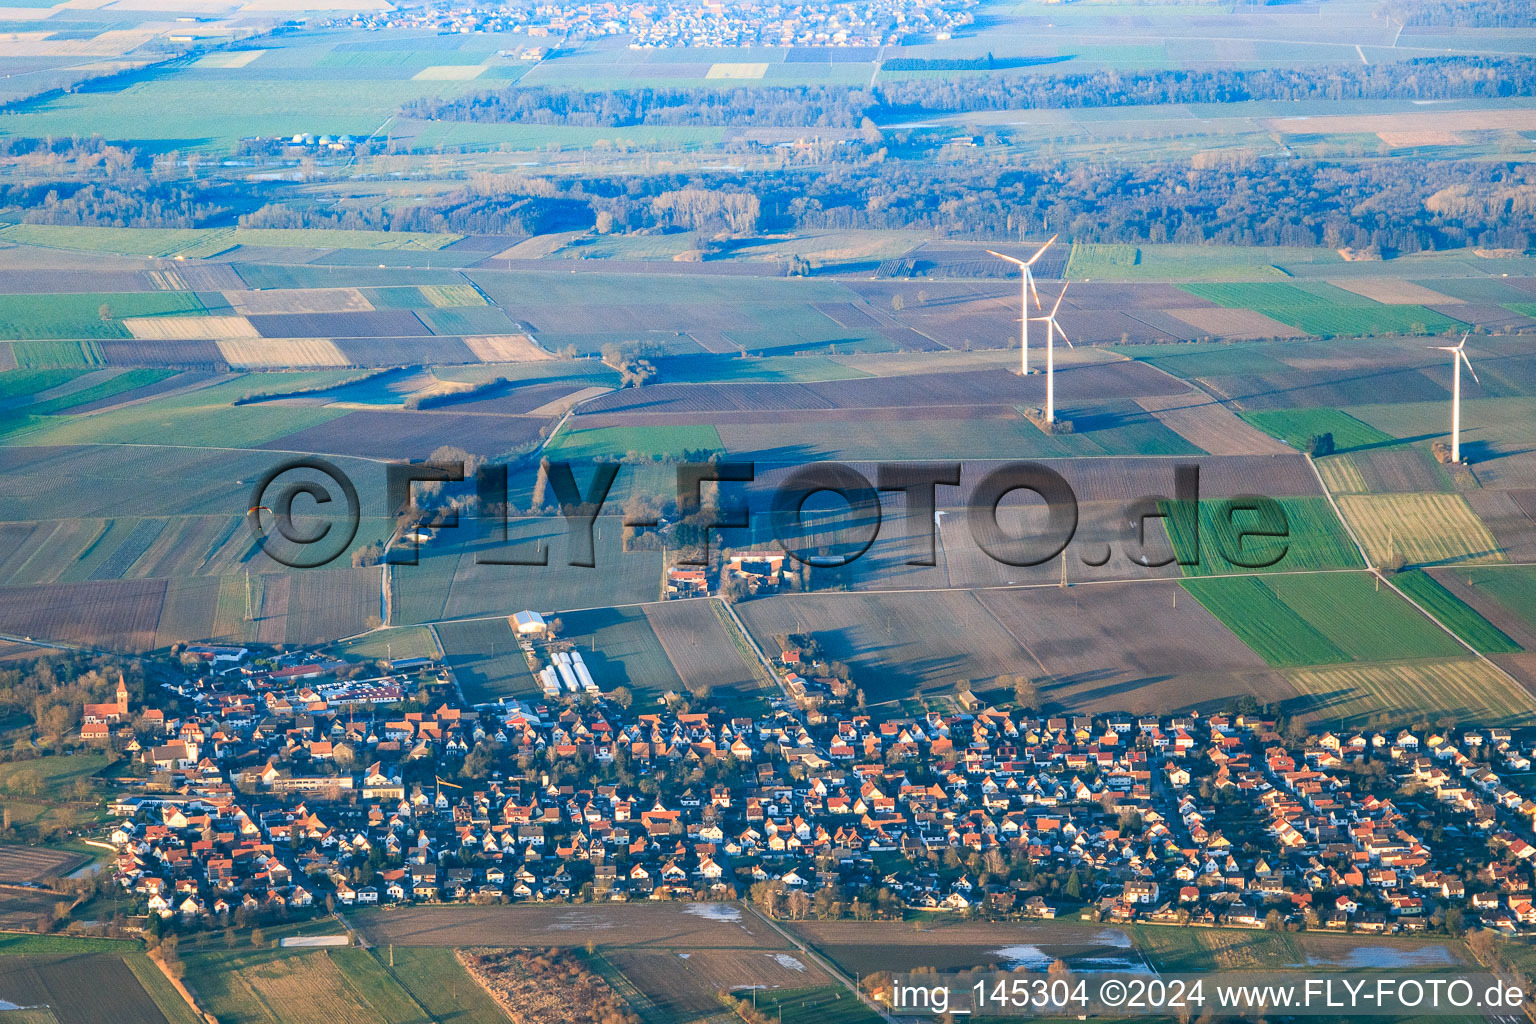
pixel 1458 357
pixel 1052 328
pixel 1026 287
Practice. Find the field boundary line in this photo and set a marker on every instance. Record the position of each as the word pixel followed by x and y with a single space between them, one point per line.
pixel 373 954
pixel 644 1006
pixel 756 648
pixel 181 988
pixel 934 590
pixel 742 635
pixel 833 971
pixel 1383 578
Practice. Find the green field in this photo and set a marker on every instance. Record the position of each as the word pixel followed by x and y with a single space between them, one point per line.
pixel 439 983
pixel 1455 614
pixel 1466 690
pixel 1190 262
pixel 124 241
pixel 1325 310
pixel 206 417
pixel 51 772
pixel 161 990
pixel 1321 618
pixel 341 986
pixel 23 383
pixel 47 355
pixel 116 385
pixel 18 944
pixel 482 135
pixel 152 109
pixel 395 642
pixel 1315 539
pixel 1296 427
pixel 1513 587
pixel 320 238
pixel 1111 428
pixel 72 315
pixel 1507 420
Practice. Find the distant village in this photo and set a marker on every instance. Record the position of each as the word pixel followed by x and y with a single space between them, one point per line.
pixel 708 23
pixel 273 783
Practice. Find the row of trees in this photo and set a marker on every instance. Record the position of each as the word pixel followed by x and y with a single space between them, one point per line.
pixel 834 106
pixel 1381 206
pixel 1461 13
pixel 52 691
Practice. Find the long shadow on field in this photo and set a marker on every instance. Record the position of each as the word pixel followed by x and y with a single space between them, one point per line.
pixel 1488 451
pixel 1313 703
pixel 1078 678
pixel 790 454
pixel 1334 382
pixel 611 671
pixel 1116 689
pixel 1396 442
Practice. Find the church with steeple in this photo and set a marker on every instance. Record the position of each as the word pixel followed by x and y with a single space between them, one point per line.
pixel 110 714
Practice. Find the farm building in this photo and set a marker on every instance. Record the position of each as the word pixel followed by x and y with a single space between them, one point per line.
pixel 687 583
pixel 529 623
pixel 210 652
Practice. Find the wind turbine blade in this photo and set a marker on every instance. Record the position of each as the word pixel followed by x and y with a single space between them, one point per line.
pixel 1031 279
pixel 1464 359
pixel 1463 340
pixel 1064 336
pixel 1058 299
pixel 1010 259
pixel 1044 247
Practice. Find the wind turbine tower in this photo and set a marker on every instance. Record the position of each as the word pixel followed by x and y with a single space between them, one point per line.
pixel 1026 288
pixel 1052 328
pixel 1458 357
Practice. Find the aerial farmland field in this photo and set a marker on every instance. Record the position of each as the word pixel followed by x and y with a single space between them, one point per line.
pixel 623 647
pixel 1235 538
pixel 666 986
pixel 237 234
pixel 1296 427
pixel 1322 618
pixel 1326 311
pixel 1464 689
pixel 288 986
pixel 697 638
pixel 83 988
pixel 485 659
pixel 475 575
pixel 1507 594
pixel 85 315
pixel 1424 590
pixel 1419 529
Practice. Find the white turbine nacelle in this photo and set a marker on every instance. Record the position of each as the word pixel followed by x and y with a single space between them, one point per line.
pixel 1052 328
pixel 1458 358
pixel 1026 288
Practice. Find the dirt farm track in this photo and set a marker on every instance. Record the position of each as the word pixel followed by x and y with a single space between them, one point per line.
pixel 658 926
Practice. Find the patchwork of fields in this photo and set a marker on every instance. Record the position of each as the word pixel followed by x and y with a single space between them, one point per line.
pixel 1322 619
pixel 650 261
pixel 177 382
